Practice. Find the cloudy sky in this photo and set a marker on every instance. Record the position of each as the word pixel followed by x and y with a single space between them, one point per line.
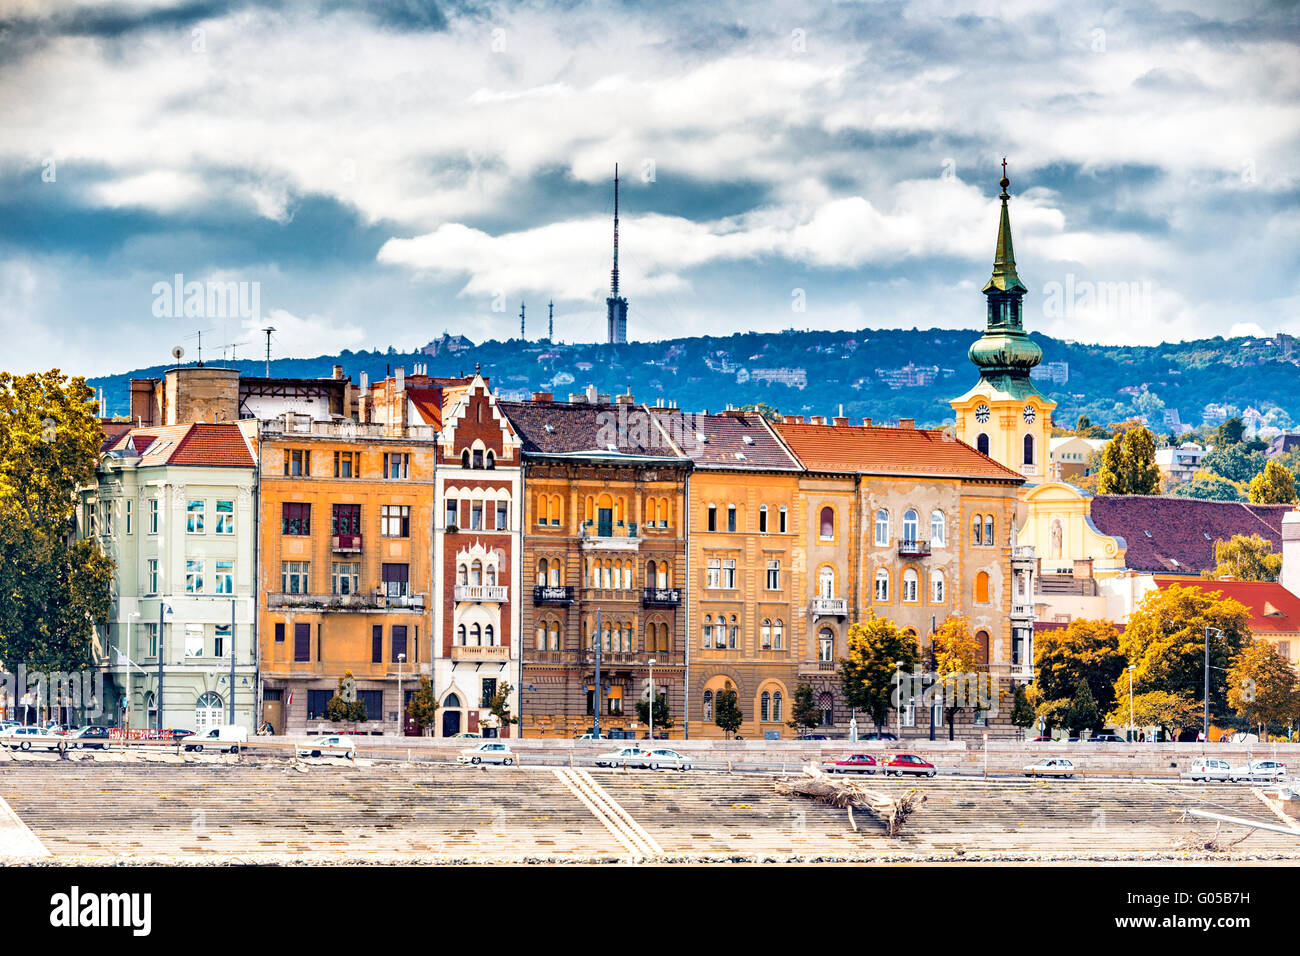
pixel 380 171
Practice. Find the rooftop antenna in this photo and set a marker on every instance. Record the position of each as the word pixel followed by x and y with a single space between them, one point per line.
pixel 521 322
pixel 268 330
pixel 198 334
pixel 550 321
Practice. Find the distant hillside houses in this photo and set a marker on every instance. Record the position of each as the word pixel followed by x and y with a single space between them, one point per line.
pixel 793 377
pixel 447 345
pixel 912 376
pixel 1055 372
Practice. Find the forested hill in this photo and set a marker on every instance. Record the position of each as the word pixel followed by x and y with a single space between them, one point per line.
pixel 884 374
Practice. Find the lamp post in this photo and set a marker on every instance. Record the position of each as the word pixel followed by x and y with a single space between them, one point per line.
pixel 1131 669
pixel 126 702
pixel 401 706
pixel 1205 729
pixel 899 691
pixel 652 701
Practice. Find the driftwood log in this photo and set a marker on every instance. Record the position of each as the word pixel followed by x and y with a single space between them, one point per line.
pixel 815 784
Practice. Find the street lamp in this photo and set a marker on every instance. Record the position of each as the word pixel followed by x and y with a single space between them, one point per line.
pixel 401 706
pixel 652 701
pixel 899 691
pixel 1131 669
pixel 1205 729
pixel 126 702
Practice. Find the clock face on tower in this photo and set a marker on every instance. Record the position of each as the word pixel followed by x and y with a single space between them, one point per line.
pixel 981 413
pixel 1030 414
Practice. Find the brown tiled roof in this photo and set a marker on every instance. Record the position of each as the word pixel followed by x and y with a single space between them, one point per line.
pixel 428 402
pixel 198 444
pixel 719 441
pixel 879 450
pixel 112 431
pixel 1176 535
pixel 1273 609
pixel 564 428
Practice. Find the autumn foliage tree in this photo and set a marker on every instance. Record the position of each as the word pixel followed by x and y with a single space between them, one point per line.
pixel 1157 708
pixel 423 708
pixel 868 674
pixel 1085 651
pixel 959 668
pixel 1245 558
pixel 1275 485
pixel 1128 464
pixel 1262 686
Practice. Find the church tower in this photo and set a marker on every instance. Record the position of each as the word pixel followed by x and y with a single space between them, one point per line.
pixel 1004 415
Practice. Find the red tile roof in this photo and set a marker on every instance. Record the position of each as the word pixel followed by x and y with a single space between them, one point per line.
pixel 1177 535
pixel 879 450
pixel 1273 609
pixel 198 444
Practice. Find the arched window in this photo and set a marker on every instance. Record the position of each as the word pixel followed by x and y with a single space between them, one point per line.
pixel 452 702
pixel 977 530
pixel 1029 449
pixel 982 443
pixel 491 460
pixel 464 458
pixel 938 529
pixel 936 587
pixel 476 633
pixel 208 712
pixel 882 584
pixel 541 571
pixel 982 639
pixel 541 636
pixel 778 635
pixel 827 523
pixel 982 588
pixel 555 572
pixel 989 540
pixel 765 634
pixel 491 575
pixel 762 519
pixel 555 636
pixel 882 528
pixel 708 705
pixel 826 645
pixel 460 635
pixel 826 582
pixel 910 579
pixel 462 574
pixel 556 510
pixel 784 516
pixel 489 636
pixel 765 707
pixel 707 630
pixel 776 707
pixel 476 573
pixel 911 526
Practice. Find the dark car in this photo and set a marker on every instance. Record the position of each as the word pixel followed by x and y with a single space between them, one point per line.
pixel 174 736
pixel 1106 739
pixel 885 736
pixel 814 737
pixel 90 738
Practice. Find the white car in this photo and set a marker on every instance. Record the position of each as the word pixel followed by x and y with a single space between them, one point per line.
pixel 330 745
pixel 1207 768
pixel 625 757
pixel 662 757
pixel 490 751
pixel 25 738
pixel 1258 770
pixel 227 737
pixel 1050 767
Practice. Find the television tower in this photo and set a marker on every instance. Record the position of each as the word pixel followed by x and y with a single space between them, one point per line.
pixel 616 305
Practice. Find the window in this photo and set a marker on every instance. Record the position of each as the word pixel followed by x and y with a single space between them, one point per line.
pixel 219 639
pixel 982 443
pixel 911 526
pixel 108 519
pixel 88 518
pixel 728 573
pixel 708 705
pixel 988 531
pixel 153 515
pixel 882 585
pixel 827 523
pixel 478 458
pixel 151 576
pixel 774 575
pixel 1029 449
pixel 151 637
pixel 395 521
pixel 882 528
pixel 826 704
pixel 711 521
pixel 344 577
pixel 982 639
pixel 318 704
pixel 489 690
pixel 977 530
pixel 396 580
pixel 293 577
pixel 225 577
pixel 733 634
pixel 731 518
pixel 297 462
pixel 503 516
pixel 476 515
pixel 707 630
pixel 938 529
pixel 193 576
pixel 347 464
pixel 453 513
pixel 555 511
pixel 399 641
pixel 784 515
pixel 345 519
pixel 373 702
pixel 127 504
pixel 765 633
pixel 376 643
pixel 193 517
pixel 225 517
pixel 762 519
pixel 397 465
pixel 778 635
pixel 826 645
pixel 279 632
pixel 936 587
pixel 910 579
pixel 295 518
pixel 765 707
pixel 714 579
pixel 826 582
pixel 982 588
pixel 776 707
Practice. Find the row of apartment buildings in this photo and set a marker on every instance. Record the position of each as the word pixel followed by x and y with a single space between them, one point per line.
pixel 272 534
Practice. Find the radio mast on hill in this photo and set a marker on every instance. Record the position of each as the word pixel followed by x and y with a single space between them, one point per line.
pixel 616 305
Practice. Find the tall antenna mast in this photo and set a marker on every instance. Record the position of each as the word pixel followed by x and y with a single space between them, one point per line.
pixel 268 330
pixel 616 305
pixel 550 321
pixel 522 334
pixel 614 273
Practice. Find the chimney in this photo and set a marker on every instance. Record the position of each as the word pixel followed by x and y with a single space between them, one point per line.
pixel 401 379
pixel 867 422
pixel 544 397
pixel 907 423
pixel 794 419
pixel 626 399
pixel 592 395
pixel 1290 577
pixel 814 420
pixel 840 421
pixel 338 371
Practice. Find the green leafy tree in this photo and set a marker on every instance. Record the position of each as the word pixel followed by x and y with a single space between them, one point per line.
pixel 54 589
pixel 345 706
pixel 1022 711
pixel 1231 432
pixel 1262 686
pixel 763 409
pixel 499 705
pixel 1148 405
pixel 1245 558
pixel 1084 428
pixel 663 715
pixel 1158 708
pixel 868 674
pixel 726 710
pixel 1128 464
pixel 423 708
pixel 805 715
pixel 1275 485
pixel 959 670
pixel 1085 651
pixel 1238 463
pixel 1206 485
pixel 1083 713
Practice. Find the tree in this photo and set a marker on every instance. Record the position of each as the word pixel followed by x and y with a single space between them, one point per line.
pixel 960 673
pixel 763 409
pixel 423 708
pixel 1128 464
pixel 663 716
pixel 1083 713
pixel 1275 485
pixel 805 713
pixel 1245 558
pixel 1165 640
pixel 1205 485
pixel 726 710
pixel 499 705
pixel 1158 708
pixel 1231 432
pixel 345 705
pixel 1084 428
pixel 54 589
pixel 868 674
pixel 1022 711
pixel 1085 651
pixel 1262 686
pixel 1238 463
pixel 1148 405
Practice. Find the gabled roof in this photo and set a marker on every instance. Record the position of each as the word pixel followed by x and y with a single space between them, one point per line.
pixel 572 428
pixel 727 441
pixel 1273 609
pixel 879 450
pixel 1177 535
pixel 221 445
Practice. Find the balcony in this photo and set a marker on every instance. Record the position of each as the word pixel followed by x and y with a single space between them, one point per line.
pixel 346 542
pixel 606 537
pixel 482 592
pixel 1025 611
pixel 661 597
pixel 479 654
pixel 345 602
pixel 817 667
pixel 913 549
pixel 552 594
pixel 828 607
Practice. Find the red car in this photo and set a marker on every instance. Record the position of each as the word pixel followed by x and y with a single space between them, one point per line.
pixel 900 764
pixel 858 763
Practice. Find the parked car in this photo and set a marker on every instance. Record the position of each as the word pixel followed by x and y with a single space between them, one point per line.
pixel 467 736
pixel 591 737
pixel 1207 768
pixel 1106 739
pixel 814 737
pixel 1040 740
pixel 624 757
pixel 90 738
pixel 1050 767
pixel 883 736
pixel 900 764
pixel 490 751
pixel 176 735
pixel 856 763
pixel 1258 770
pixel 226 737
pixel 25 738
pixel 662 757
pixel 329 745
